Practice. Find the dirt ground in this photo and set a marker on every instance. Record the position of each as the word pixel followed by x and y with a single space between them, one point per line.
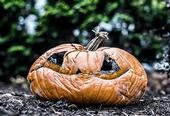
pixel 16 99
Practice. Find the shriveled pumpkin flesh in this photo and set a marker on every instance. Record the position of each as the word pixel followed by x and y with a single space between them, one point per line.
pixel 88 76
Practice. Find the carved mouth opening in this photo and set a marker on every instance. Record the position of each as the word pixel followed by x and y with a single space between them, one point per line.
pixel 109 65
pixel 57 58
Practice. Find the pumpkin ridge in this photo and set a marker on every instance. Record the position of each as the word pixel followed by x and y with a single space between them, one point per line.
pixel 56 92
pixel 126 94
pixel 136 91
pixel 50 87
pixel 71 95
pixel 44 85
pixel 76 47
pixel 68 52
pixel 39 86
pixel 61 84
pixel 118 83
pixel 102 48
pixel 97 60
pixel 61 47
pixel 88 65
pixel 137 85
pixel 77 55
pixel 110 97
pixel 76 88
pixel 99 92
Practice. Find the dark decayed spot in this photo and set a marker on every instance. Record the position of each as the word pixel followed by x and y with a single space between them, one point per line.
pixel 109 65
pixel 57 58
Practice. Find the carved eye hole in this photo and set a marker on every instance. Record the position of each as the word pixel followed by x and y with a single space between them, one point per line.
pixel 57 58
pixel 109 65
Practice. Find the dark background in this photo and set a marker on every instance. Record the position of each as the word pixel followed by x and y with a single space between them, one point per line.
pixel 141 27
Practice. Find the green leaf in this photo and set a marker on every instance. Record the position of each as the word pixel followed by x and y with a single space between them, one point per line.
pixel 16 48
pixel 111 6
pixel 19 48
pixel 3 40
pixel 125 17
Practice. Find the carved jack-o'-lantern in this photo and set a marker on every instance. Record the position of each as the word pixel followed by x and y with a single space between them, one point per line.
pixel 87 75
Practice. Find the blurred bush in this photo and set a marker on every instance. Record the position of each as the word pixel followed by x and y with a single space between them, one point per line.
pixel 132 25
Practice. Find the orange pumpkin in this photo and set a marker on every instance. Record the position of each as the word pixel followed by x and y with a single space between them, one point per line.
pixel 87 75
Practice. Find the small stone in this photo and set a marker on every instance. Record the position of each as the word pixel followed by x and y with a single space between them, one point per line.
pixel 156 98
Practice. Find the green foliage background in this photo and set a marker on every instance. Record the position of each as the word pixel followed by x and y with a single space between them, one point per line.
pixel 134 28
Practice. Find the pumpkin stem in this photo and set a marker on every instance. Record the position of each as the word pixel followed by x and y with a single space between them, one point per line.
pixel 95 42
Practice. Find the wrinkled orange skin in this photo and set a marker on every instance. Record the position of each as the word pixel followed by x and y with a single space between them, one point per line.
pixel 54 82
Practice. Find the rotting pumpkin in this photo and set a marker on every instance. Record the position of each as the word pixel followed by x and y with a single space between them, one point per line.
pixel 87 75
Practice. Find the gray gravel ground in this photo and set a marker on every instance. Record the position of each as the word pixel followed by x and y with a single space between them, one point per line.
pixel 15 100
